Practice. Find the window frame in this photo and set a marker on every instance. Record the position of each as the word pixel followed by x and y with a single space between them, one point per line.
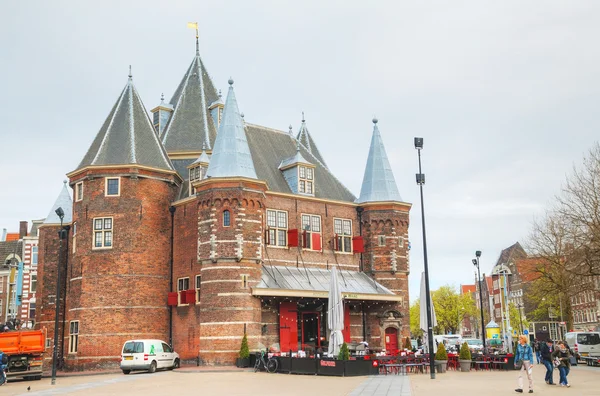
pixel 33 283
pixel 73 337
pixel 344 241
pixel 118 179
pixel 103 231
pixel 34 255
pixel 198 284
pixel 308 239
pixel 306 180
pixel 228 212
pixel 179 289
pixel 277 229
pixel 78 194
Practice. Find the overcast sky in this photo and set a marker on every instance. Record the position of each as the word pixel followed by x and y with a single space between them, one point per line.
pixel 505 94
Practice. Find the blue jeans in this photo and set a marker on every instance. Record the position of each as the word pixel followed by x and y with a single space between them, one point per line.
pixel 538 356
pixel 564 371
pixel 549 370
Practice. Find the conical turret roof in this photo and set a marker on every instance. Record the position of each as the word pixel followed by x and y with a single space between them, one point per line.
pixel 63 201
pixel 307 141
pixel 191 125
pixel 231 155
pixel 378 183
pixel 127 136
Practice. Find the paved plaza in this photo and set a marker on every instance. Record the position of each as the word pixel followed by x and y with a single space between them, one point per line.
pixel 584 381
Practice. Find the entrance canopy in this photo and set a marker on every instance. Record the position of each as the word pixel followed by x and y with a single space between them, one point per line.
pixel 282 281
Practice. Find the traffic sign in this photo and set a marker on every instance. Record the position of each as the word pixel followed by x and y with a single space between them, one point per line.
pixel 526 332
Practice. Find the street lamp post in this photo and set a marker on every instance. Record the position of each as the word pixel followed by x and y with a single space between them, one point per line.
pixel 420 181
pixel 520 306
pixel 476 263
pixel 61 214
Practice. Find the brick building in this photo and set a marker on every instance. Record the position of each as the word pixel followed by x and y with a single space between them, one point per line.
pixel 470 325
pixel 196 227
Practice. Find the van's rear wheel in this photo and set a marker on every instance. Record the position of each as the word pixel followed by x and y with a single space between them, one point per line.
pixel 152 367
pixel 126 372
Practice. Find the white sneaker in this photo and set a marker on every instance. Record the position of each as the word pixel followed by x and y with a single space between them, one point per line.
pixel 568 386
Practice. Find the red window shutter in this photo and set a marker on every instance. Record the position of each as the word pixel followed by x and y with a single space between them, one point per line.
pixel 190 297
pixel 182 297
pixel 172 299
pixel 346 331
pixel 267 237
pixel 293 238
pixel 316 241
pixel 358 244
pixel 304 235
pixel 288 327
pixel 335 242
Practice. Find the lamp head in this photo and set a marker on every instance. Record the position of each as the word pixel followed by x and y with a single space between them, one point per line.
pixel 478 253
pixel 418 143
pixel 474 262
pixel 60 212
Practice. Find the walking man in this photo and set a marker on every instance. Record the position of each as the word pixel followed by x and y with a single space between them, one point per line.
pixel 546 350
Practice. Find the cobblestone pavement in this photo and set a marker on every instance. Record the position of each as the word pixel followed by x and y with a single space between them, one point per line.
pixel 585 381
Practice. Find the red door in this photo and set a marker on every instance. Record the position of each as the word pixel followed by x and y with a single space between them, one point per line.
pixel 391 340
pixel 346 331
pixel 288 327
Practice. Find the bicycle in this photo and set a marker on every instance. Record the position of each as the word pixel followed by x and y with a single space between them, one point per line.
pixel 270 365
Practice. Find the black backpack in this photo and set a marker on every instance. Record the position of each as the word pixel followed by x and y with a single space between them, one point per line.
pixel 4 358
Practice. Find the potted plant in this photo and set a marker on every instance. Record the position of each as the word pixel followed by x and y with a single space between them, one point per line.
pixel 464 358
pixel 441 358
pixel 407 344
pixel 344 352
pixel 243 359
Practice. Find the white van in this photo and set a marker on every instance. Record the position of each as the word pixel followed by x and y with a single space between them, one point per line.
pixel 147 355
pixel 584 343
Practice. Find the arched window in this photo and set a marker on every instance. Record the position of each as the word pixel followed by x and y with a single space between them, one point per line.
pixel 226 218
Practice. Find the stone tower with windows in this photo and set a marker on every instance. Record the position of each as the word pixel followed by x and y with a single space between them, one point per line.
pixel 384 220
pixel 116 280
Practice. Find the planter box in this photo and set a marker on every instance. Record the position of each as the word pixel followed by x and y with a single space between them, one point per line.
pixel 465 365
pixel 285 364
pixel 303 366
pixel 360 367
pixel 331 367
pixel 242 363
pixel 441 366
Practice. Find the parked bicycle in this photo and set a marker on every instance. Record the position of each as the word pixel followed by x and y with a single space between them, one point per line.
pixel 270 364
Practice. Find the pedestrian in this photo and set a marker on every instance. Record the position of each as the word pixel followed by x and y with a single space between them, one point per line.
pixel 546 350
pixel 561 356
pixel 537 345
pixel 524 358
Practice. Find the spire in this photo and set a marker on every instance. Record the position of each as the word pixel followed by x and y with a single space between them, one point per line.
pixel 63 201
pixel 127 136
pixel 378 183
pixel 231 155
pixel 191 125
pixel 307 141
pixel 204 158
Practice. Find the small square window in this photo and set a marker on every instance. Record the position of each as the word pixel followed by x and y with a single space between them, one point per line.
pixel 400 241
pixel 112 186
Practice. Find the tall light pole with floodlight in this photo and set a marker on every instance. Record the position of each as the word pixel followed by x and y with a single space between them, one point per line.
pixel 476 263
pixel 420 181
pixel 61 214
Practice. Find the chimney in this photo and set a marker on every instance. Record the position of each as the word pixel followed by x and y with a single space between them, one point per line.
pixel 3 235
pixel 22 229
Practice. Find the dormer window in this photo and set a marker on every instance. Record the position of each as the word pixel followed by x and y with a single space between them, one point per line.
pixel 305 180
pixel 196 173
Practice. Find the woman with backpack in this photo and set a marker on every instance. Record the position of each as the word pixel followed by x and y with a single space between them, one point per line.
pixel 524 359
pixel 561 358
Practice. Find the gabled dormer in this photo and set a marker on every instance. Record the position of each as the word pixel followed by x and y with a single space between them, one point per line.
pixel 161 115
pixel 216 110
pixel 299 174
pixel 197 169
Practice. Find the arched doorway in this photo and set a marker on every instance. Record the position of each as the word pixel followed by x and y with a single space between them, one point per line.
pixel 391 340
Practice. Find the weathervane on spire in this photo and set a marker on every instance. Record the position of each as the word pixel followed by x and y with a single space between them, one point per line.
pixel 130 75
pixel 194 25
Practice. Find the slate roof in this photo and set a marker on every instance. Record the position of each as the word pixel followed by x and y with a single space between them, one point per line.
pixel 231 156
pixel 513 252
pixel 307 141
pixel 7 249
pixel 292 278
pixel 296 159
pixel 269 147
pixel 127 136
pixel 191 124
pixel 378 182
pixel 64 201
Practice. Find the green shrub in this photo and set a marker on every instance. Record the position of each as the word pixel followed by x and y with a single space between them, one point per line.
pixel 441 353
pixel 407 344
pixel 344 352
pixel 465 353
pixel 244 351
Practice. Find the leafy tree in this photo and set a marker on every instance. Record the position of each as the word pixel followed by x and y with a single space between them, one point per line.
pixel 415 319
pixel 451 308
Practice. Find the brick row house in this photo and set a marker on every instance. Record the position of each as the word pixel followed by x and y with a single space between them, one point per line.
pixel 196 227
